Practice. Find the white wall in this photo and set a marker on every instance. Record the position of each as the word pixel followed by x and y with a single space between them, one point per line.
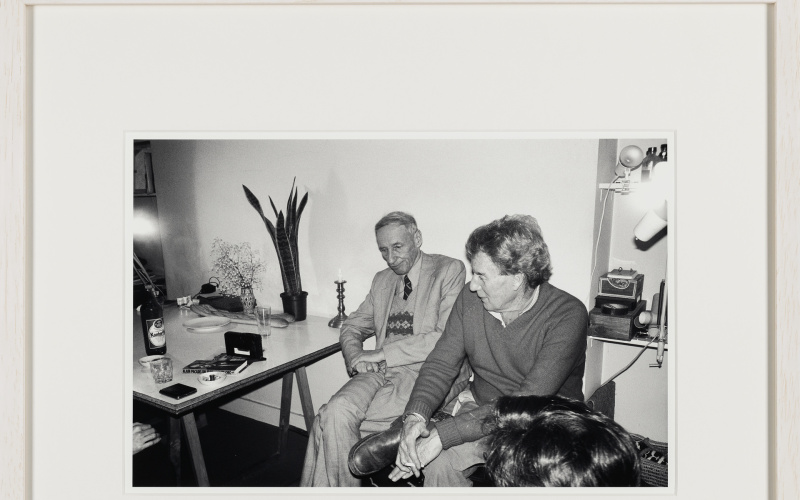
pixel 641 404
pixel 450 186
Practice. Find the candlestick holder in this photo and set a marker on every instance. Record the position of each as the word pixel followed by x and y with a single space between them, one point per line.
pixel 337 321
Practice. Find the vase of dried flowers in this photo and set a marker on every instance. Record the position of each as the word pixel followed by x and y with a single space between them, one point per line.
pixel 239 270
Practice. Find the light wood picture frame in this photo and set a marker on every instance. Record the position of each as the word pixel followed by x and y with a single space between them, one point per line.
pixel 16 262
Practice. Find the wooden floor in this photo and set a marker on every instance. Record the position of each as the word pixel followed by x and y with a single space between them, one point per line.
pixel 239 451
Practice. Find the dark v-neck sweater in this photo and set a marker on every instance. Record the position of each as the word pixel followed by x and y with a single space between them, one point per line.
pixel 542 352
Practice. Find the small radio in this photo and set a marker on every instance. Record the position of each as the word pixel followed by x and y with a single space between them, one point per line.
pixel 619 284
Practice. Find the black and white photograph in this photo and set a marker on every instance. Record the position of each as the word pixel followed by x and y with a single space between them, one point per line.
pixel 287 248
pixel 437 312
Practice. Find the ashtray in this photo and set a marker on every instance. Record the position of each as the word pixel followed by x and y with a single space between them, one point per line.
pixel 212 378
pixel 145 361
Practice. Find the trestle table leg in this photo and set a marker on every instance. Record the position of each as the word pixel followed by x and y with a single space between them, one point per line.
pixel 286 408
pixel 193 440
pixel 305 397
pixel 175 446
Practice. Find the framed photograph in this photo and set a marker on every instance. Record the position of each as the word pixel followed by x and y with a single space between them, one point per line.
pixel 718 79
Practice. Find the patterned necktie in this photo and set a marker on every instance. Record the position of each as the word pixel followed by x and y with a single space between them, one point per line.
pixel 407 287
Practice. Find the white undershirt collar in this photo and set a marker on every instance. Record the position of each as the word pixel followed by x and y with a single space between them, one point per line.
pixel 527 308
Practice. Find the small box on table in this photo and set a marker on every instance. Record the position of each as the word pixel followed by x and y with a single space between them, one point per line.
pixel 614 326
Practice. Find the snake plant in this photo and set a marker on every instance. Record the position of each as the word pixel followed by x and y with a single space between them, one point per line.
pixel 284 236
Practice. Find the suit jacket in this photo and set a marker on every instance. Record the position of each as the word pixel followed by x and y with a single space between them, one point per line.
pixel 441 279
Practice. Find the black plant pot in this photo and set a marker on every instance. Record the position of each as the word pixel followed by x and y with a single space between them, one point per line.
pixel 295 304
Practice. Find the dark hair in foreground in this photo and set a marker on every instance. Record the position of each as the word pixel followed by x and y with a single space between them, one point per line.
pixel 515 245
pixel 554 441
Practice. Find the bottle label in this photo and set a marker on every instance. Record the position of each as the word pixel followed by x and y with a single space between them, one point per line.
pixel 155 332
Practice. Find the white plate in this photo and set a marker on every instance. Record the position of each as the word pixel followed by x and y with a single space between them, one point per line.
pixel 208 324
pixel 212 378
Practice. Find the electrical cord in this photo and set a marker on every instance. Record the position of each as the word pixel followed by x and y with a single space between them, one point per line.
pixel 652 339
pixel 600 228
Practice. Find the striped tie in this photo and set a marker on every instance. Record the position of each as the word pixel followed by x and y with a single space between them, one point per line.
pixel 407 287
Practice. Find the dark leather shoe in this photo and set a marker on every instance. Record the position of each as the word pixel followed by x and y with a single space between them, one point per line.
pixel 374 452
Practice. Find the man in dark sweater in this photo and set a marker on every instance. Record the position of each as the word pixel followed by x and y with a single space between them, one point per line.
pixel 521 336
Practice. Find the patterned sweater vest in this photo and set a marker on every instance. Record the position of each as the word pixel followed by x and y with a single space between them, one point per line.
pixel 401 316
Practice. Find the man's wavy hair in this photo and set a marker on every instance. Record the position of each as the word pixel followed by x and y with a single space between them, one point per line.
pixel 554 441
pixel 515 245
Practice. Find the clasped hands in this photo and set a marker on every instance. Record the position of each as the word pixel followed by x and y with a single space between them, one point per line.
pixel 367 361
pixel 418 447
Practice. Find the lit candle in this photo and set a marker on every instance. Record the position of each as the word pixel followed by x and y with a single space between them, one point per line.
pixel 340 274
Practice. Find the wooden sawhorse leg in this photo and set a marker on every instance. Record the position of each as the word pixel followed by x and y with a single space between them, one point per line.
pixel 286 405
pixel 193 440
pixel 189 425
pixel 305 397
pixel 175 446
pixel 286 408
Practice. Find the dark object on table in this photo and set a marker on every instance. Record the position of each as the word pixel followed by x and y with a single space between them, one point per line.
pixel 178 391
pixel 244 344
pixel 295 305
pixel 153 331
pixel 231 304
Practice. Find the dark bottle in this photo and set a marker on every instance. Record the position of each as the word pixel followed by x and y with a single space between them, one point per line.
pixel 152 312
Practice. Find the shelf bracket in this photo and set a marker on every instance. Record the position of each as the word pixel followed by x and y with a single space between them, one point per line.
pixel 622 186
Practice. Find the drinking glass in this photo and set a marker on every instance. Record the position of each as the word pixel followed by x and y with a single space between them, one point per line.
pixel 263 314
pixel 161 369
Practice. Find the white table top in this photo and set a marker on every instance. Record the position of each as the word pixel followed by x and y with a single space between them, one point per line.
pixel 300 344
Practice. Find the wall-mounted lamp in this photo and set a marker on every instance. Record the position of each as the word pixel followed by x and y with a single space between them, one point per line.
pixel 630 158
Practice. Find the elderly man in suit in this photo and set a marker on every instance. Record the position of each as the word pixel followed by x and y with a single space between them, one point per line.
pixel 406 309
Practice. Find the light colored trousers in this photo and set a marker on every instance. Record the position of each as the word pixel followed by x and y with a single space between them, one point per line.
pixel 367 403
